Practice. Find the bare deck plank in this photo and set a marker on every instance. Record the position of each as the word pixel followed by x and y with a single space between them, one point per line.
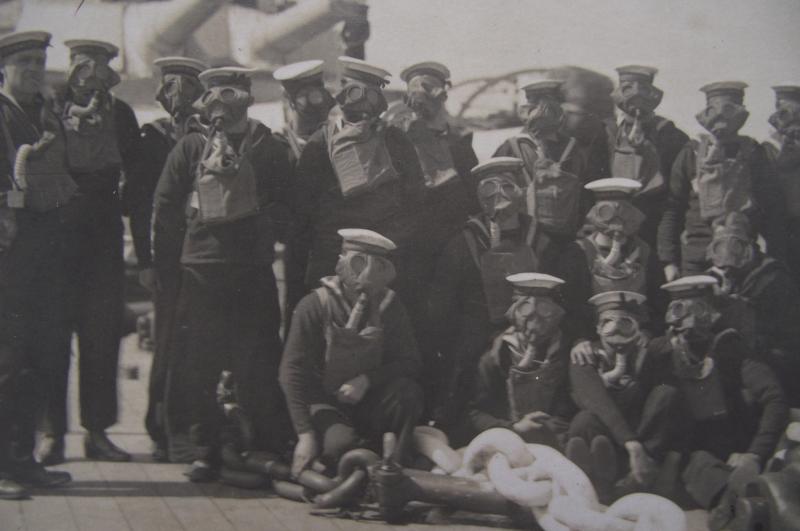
pixel 91 500
pixel 295 516
pixel 11 517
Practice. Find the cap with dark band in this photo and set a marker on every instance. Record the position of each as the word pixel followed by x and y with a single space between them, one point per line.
pixel 180 65
pixel 548 87
pixel 23 40
pixel 227 76
pixel 787 92
pixel 637 72
pixel 734 89
pixel 366 241
pixel 91 47
pixel 535 284
pixel 497 165
pixel 431 68
pixel 296 75
pixel 362 71
pixel 618 300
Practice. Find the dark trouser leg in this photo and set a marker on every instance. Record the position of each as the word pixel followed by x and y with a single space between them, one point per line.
pixel 705 478
pixel 693 257
pixel 165 302
pixel 335 433
pixel 659 423
pixel 793 248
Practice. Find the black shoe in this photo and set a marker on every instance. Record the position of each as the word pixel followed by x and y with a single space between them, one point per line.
pixel 51 450
pixel 11 490
pixel 32 474
pixel 160 454
pixel 97 446
pixel 200 471
pixel 578 452
pixel 604 467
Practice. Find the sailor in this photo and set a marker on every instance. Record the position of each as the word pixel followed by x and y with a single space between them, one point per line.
pixel 625 425
pixel 178 90
pixel 523 379
pixel 308 103
pixel 351 360
pixel 469 294
pixel 212 214
pixel 720 173
pixel 644 145
pixel 34 190
pixel 102 137
pixel 733 410
pixel 556 165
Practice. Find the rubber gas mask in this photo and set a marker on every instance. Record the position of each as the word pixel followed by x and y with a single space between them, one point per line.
pixel 786 120
pixel 361 272
pixel 500 197
pixel 730 252
pixel 90 74
pixel 692 320
pixel 637 97
pixel 536 319
pixel 542 116
pixel 360 101
pixel 312 101
pixel 224 105
pixel 618 329
pixel 426 95
pixel 615 218
pixel 177 93
pixel 722 117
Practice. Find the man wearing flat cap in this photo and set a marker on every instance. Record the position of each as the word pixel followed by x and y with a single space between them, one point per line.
pixel 644 144
pixel 212 219
pixel 469 294
pixel 522 380
pixel 102 145
pixel 35 192
pixel 556 167
pixel 178 90
pixel 786 121
pixel 722 172
pixel 351 360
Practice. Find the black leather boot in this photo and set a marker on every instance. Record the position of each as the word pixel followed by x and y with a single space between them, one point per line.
pixel 31 474
pixel 97 446
pixel 11 490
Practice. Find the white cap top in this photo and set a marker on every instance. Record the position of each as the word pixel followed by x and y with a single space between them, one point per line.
pixel 75 45
pixel 614 184
pixel 226 71
pixel 300 70
pixel 366 240
pixel 617 298
pixel 23 40
pixel 358 69
pixel 497 165
pixel 180 65
pixel 685 286
pixel 534 281
pixel 426 67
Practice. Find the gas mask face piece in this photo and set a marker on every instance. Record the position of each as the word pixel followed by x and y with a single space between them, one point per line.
pixel 426 95
pixel 89 74
pixel 312 101
pixel 360 101
pixel 535 318
pixel 500 197
pixel 730 252
pixel 177 93
pixel 786 120
pixel 543 116
pixel 722 117
pixel 618 328
pixel 694 317
pixel 615 217
pixel 364 273
pixel 637 96
pixel 224 105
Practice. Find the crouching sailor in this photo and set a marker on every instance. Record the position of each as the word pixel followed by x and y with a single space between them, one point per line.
pixel 351 358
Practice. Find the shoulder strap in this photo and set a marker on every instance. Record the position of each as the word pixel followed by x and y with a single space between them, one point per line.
pixel 567 150
pixel 515 143
pixel 661 123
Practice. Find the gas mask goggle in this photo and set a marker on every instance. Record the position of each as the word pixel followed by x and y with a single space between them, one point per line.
pixel 730 252
pixel 535 318
pixel 311 100
pixel 178 92
pixel 542 115
pixel 637 97
pixel 363 272
pixel 361 101
pixel 786 120
pixel 224 104
pixel 722 117
pixel 90 73
pixel 426 95
pixel 615 218
pixel 500 196
pixel 692 319
pixel 618 328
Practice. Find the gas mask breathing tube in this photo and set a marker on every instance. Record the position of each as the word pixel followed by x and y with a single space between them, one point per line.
pixel 619 331
pixel 722 117
pixel 786 120
pixel 426 95
pixel 500 198
pixel 535 320
pixel 618 220
pixel 544 117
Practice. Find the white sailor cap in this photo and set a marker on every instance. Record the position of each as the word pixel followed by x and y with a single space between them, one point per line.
pixel 613 187
pixel 302 71
pixel 497 165
pixel 636 71
pixel 363 71
pixel 227 75
pixel 180 65
pixel 725 88
pixel 427 67
pixel 618 300
pixel 92 47
pixel 533 284
pixel 690 286
pixel 367 241
pixel 23 40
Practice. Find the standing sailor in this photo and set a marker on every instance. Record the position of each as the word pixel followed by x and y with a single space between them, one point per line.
pixel 35 184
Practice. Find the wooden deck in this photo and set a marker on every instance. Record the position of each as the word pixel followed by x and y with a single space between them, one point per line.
pixel 147 496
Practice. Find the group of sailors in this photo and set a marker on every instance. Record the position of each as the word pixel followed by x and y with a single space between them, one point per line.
pixel 615 290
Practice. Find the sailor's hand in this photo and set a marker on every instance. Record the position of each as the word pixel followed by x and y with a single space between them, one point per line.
pixel 671 272
pixel 747 460
pixel 582 353
pixel 643 467
pixel 148 279
pixel 304 452
pixel 530 422
pixel 351 392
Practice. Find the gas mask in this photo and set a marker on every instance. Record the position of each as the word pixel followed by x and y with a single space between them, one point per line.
pixel 786 120
pixel 722 117
pixel 618 329
pixel 615 218
pixel 224 105
pixel 730 252
pixel 177 93
pixel 364 273
pixel 360 101
pixel 535 319
pixel 312 101
pixel 426 96
pixel 500 197
pixel 691 321
pixel 543 117
pixel 90 74
pixel 637 97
